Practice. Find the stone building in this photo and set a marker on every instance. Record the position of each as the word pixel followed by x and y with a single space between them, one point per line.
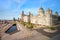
pixel 42 18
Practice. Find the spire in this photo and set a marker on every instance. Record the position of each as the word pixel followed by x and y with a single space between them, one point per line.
pixel 30 14
pixel 22 13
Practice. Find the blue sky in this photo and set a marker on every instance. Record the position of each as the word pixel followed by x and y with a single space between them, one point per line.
pixel 13 8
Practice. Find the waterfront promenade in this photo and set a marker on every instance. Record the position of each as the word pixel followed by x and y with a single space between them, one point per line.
pixel 25 34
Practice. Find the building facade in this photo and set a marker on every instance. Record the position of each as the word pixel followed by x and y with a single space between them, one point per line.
pixel 42 18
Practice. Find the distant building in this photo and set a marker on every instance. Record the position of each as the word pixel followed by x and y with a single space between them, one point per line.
pixel 42 18
pixel 59 18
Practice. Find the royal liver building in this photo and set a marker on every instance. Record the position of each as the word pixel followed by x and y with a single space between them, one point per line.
pixel 42 17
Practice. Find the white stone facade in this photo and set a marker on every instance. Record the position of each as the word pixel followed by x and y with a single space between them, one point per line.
pixel 42 18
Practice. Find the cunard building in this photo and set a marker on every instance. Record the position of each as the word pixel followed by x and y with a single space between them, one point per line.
pixel 42 17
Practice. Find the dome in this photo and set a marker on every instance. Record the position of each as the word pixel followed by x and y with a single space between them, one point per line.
pixel 41 8
pixel 23 13
pixel 56 13
pixel 49 11
pixel 30 14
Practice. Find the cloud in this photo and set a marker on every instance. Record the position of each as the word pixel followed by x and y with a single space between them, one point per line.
pixel 20 3
pixel 6 5
pixel 7 10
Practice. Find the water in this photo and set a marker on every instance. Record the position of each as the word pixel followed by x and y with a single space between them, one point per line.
pixel 12 29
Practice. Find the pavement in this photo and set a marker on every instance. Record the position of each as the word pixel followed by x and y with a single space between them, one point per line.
pixel 57 37
pixel 25 34
pixel 50 35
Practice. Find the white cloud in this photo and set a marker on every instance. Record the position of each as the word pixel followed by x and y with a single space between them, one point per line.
pixel 6 5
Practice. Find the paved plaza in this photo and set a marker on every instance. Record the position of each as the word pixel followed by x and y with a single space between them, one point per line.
pixel 26 34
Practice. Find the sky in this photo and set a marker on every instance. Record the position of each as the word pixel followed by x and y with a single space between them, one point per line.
pixel 13 8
